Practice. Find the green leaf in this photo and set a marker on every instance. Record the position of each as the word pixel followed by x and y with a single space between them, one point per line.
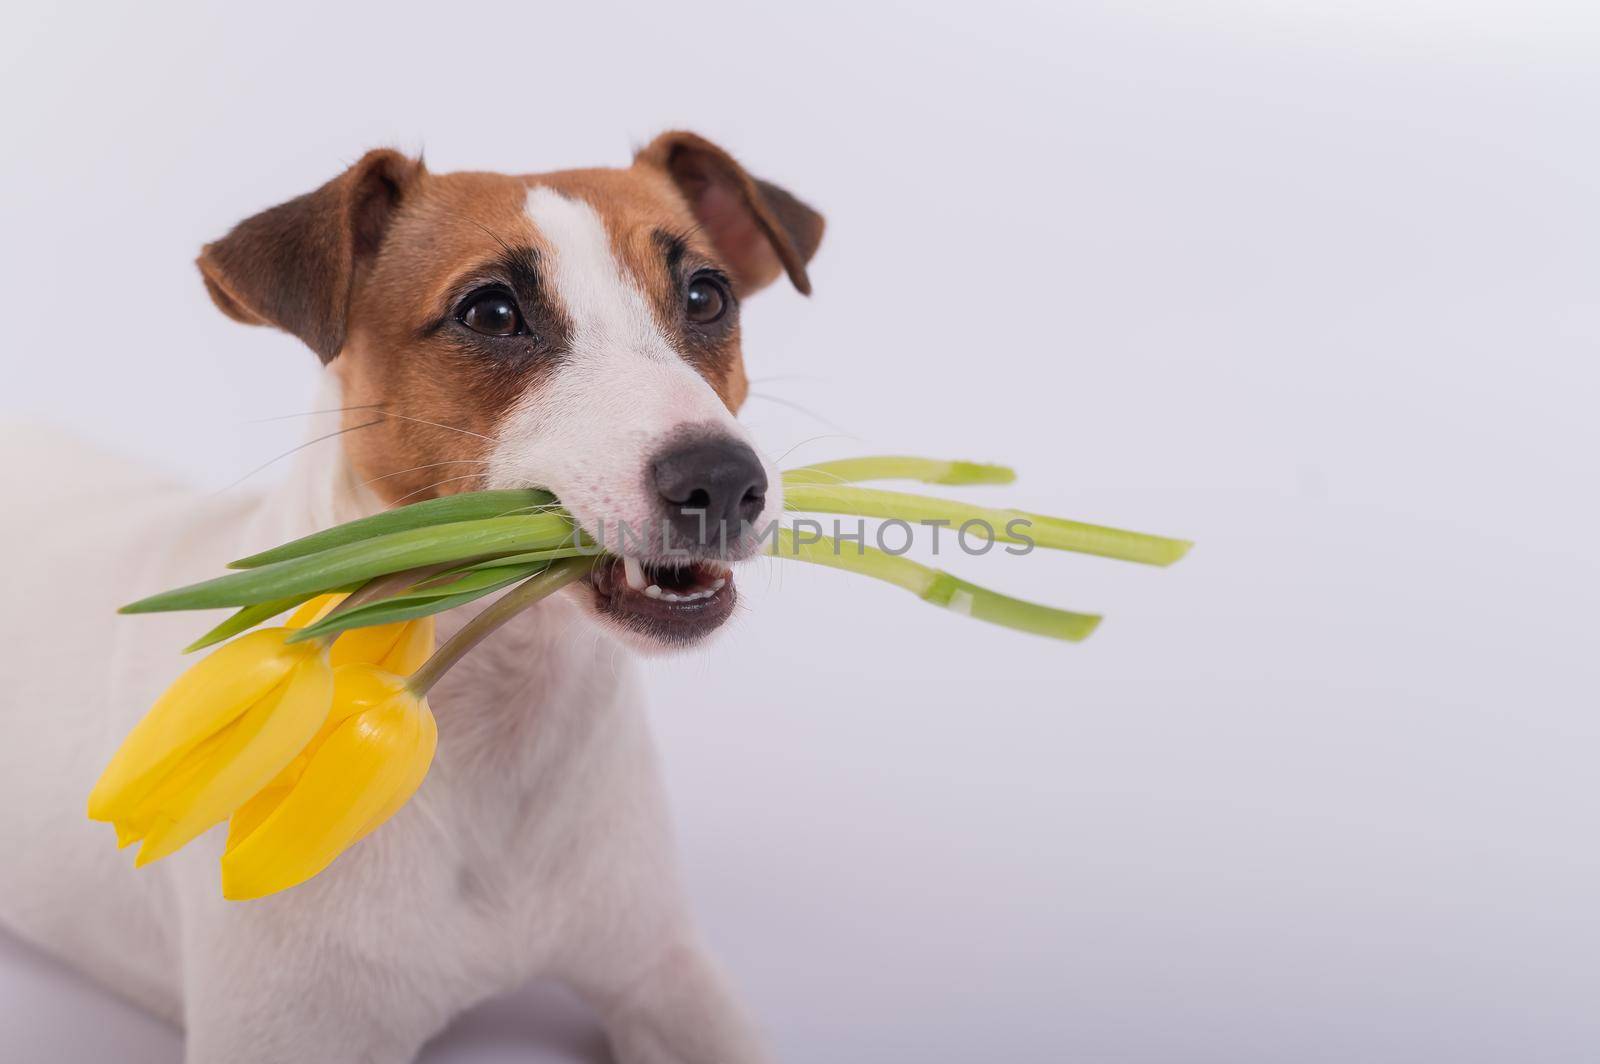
pixel 588 550
pixel 245 619
pixel 899 467
pixel 355 563
pixel 1006 526
pixel 984 604
pixel 421 601
pixel 938 587
pixel 441 586
pixel 468 506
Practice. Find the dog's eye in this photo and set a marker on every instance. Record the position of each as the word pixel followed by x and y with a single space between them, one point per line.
pixel 492 313
pixel 706 300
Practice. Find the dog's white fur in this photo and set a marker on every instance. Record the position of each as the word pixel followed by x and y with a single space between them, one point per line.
pixel 589 433
pixel 539 844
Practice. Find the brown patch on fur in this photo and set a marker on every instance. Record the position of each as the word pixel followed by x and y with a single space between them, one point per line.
pixel 760 229
pixel 372 268
pixel 456 227
pixel 294 265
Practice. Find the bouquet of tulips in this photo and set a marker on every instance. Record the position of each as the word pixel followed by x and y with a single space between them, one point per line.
pixel 307 736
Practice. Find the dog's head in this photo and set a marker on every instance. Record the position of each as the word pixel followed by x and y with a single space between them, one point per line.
pixel 576 331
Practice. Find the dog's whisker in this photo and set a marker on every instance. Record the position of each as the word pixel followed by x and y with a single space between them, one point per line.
pixel 807 411
pixel 293 450
pixel 312 413
pixel 435 484
pixel 814 439
pixel 378 407
pixel 438 425
pixel 827 473
pixel 787 377
pixel 430 465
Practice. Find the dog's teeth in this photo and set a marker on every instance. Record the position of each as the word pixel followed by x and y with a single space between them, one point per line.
pixel 634 573
pixel 721 583
pixel 653 591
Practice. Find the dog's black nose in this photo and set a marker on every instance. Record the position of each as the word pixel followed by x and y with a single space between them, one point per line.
pixel 709 487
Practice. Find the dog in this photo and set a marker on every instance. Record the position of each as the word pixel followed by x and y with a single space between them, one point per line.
pixel 576 331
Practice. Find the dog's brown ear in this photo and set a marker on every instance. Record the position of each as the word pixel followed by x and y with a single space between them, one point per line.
pixel 758 227
pixel 293 265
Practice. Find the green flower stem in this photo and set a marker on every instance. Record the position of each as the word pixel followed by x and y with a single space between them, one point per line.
pixel 475 631
pixel 899 467
pixel 1053 532
pixel 938 587
pixel 433 596
pixel 389 584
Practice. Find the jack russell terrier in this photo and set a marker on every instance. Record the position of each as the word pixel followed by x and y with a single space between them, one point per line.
pixel 576 331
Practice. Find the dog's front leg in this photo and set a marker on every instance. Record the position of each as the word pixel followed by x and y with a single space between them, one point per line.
pixel 245 1004
pixel 677 1010
pixel 621 926
pixel 320 973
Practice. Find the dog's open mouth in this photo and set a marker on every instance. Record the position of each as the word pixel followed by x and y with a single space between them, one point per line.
pixel 676 602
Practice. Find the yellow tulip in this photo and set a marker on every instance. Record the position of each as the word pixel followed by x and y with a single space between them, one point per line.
pixel 235 734
pixel 223 731
pixel 364 764
pixel 399 647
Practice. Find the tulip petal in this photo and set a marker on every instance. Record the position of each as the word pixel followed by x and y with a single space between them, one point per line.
pixel 206 698
pixel 346 703
pixel 247 756
pixel 398 647
pixel 414 647
pixel 313 610
pixel 365 646
pixel 249 816
pixel 353 776
pixel 421 761
pixel 170 792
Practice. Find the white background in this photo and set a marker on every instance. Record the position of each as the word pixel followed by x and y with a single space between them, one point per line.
pixel 1312 284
